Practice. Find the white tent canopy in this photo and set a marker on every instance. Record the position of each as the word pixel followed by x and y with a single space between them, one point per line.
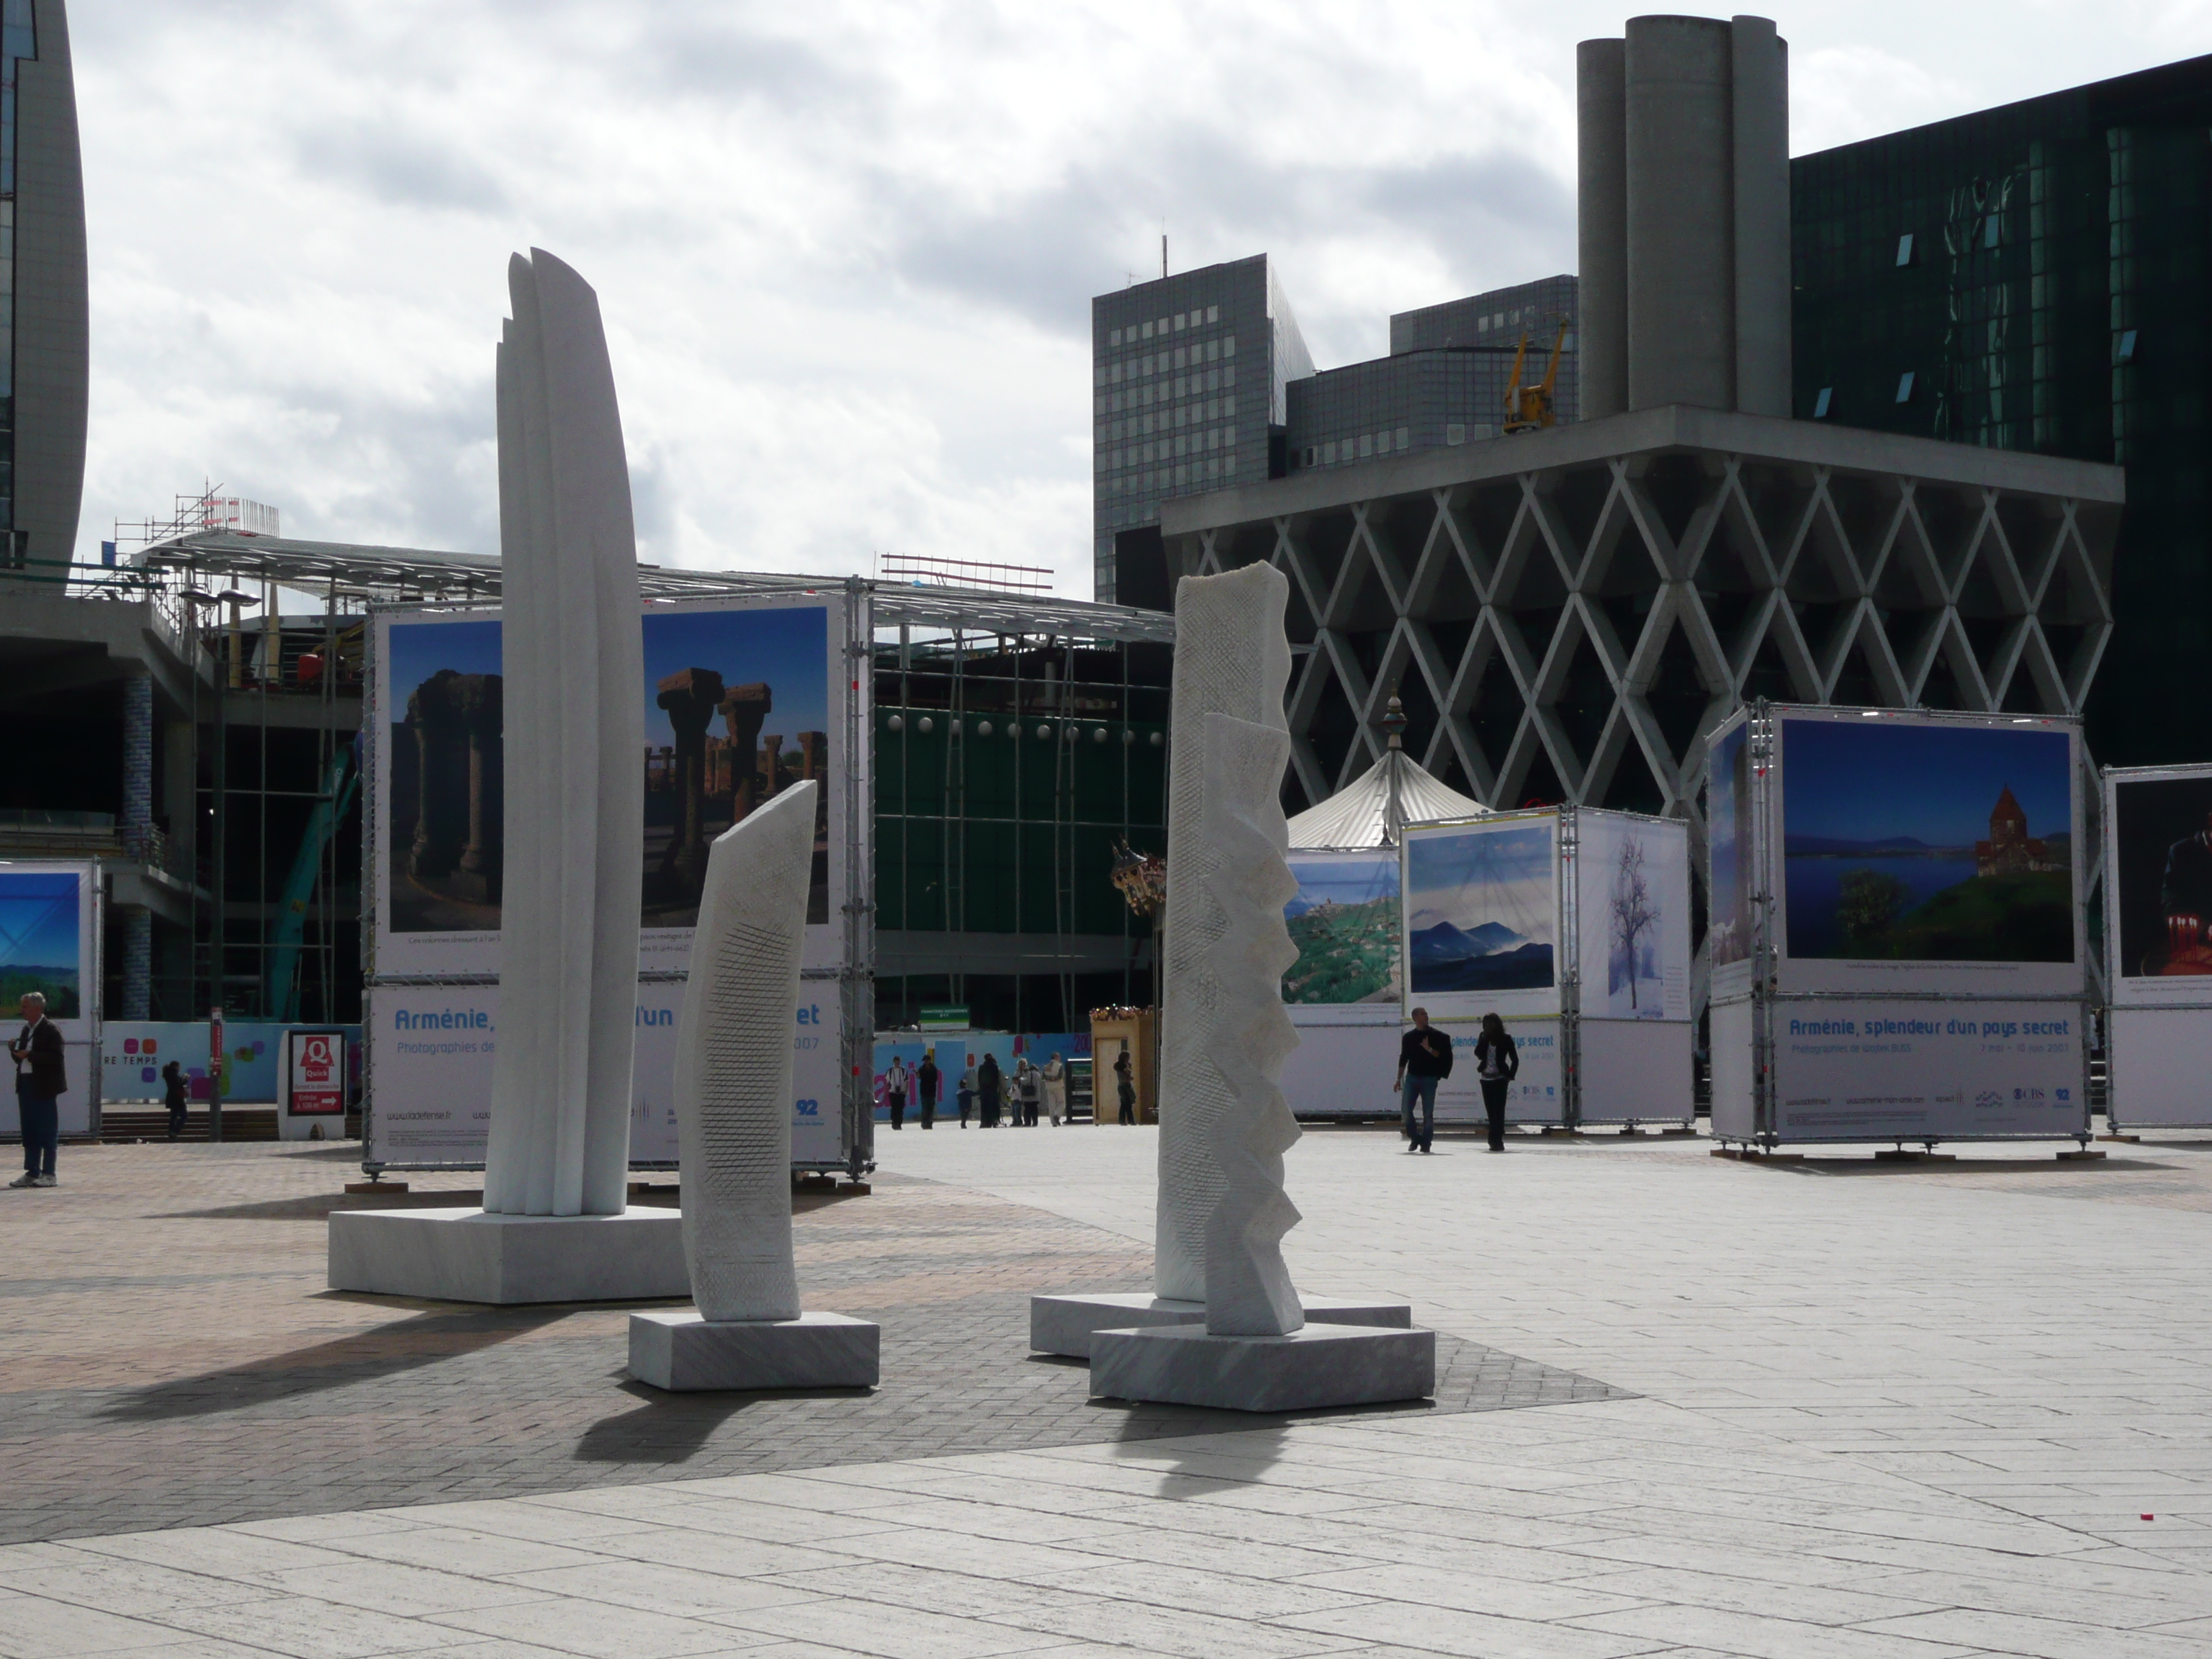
pixel 1369 811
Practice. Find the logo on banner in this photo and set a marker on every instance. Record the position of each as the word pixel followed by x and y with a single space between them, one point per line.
pixel 1990 1097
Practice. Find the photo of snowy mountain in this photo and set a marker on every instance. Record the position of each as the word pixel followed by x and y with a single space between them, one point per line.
pixel 1481 914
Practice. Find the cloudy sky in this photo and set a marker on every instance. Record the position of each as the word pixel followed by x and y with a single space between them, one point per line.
pixel 845 251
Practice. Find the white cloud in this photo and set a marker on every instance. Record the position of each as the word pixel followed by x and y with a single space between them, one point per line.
pixel 845 251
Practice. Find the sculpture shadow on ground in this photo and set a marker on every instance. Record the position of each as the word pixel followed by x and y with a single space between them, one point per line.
pixel 672 1428
pixel 373 1355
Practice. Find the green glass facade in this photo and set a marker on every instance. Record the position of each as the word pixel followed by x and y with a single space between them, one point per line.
pixel 2038 276
pixel 1005 773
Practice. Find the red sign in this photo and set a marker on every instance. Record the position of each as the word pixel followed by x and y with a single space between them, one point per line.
pixel 318 1074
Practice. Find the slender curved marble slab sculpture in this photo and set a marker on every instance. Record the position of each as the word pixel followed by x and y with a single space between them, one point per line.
pixel 1243 949
pixel 1231 658
pixel 733 1040
pixel 573 664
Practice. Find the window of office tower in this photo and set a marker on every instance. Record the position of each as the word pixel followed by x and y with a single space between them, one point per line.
pixel 18 39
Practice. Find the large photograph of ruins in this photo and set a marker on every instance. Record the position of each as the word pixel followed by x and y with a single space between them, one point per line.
pixel 736 711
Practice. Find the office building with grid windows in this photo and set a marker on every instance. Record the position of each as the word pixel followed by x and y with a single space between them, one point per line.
pixel 1202 382
pixel 1188 384
pixel 2038 276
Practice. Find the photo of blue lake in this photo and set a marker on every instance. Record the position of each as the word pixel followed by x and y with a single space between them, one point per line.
pixel 1815 884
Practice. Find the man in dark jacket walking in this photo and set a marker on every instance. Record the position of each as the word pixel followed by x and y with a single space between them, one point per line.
pixel 1424 1059
pixel 39 1083
pixel 926 1081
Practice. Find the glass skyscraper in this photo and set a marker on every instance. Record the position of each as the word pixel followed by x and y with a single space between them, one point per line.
pixel 2038 276
pixel 43 307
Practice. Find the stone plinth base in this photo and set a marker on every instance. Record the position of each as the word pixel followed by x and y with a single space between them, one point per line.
pixel 1317 1368
pixel 468 1256
pixel 673 1348
pixel 1064 1324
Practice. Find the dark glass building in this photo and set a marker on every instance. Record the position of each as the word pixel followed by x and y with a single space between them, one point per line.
pixel 2038 276
pixel 1444 382
pixel 43 307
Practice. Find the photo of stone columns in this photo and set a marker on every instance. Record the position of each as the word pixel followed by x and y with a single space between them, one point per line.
pixel 732 1099
pixel 715 680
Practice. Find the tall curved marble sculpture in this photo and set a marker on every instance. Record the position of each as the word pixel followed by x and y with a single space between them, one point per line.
pixel 1242 946
pixel 573 664
pixel 1231 658
pixel 733 1089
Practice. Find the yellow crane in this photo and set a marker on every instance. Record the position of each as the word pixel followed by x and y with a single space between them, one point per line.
pixel 1529 407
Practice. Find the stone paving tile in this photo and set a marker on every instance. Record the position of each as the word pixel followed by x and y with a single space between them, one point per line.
pixel 247 1392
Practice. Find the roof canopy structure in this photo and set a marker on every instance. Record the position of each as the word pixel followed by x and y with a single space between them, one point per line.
pixel 1371 810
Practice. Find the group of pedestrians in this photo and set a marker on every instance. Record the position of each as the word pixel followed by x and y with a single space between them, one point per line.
pixel 1424 1060
pixel 985 1092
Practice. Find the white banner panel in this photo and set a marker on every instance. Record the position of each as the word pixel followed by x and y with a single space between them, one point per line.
pixel 743 696
pixel 2160 1067
pixel 1734 1104
pixel 2158 886
pixel 1878 1069
pixel 1343 1070
pixel 1925 852
pixel 430 1084
pixel 1636 1070
pixel 1632 908
pixel 1537 1095
pixel 1482 928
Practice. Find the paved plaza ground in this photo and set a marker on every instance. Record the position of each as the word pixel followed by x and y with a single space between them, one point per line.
pixel 1688 1407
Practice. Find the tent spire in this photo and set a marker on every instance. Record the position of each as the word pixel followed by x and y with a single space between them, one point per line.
pixel 1393 757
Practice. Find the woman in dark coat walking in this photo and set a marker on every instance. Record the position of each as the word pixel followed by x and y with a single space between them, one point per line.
pixel 1497 1063
pixel 1125 1086
pixel 172 1084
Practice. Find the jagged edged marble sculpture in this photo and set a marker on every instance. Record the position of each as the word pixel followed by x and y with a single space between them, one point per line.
pixel 1243 949
pixel 1256 1351
pixel 573 653
pixel 1231 658
pixel 733 1097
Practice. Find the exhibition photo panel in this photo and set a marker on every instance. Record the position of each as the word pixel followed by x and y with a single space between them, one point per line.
pixel 741 699
pixel 1344 920
pixel 1481 904
pixel 1922 853
pixel 49 943
pixel 1632 910
pixel 2158 911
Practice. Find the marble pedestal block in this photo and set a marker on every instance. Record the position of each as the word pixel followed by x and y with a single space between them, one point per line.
pixel 1064 1324
pixel 470 1255
pixel 673 1348
pixel 1317 1368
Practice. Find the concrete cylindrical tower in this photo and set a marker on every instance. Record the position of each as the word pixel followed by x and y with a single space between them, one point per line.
pixel 1761 144
pixel 1681 212
pixel 1602 227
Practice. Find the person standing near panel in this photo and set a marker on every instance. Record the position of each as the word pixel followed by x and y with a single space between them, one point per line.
pixel 172 1089
pixel 1424 1059
pixel 1055 1089
pixel 39 1084
pixel 895 1082
pixel 926 1081
pixel 988 1087
pixel 1124 1087
pixel 1497 1063
pixel 1026 1079
pixel 966 1092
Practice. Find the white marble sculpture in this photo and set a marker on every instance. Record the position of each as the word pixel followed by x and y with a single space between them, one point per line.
pixel 573 651
pixel 732 1089
pixel 1242 948
pixel 734 1083
pixel 1231 658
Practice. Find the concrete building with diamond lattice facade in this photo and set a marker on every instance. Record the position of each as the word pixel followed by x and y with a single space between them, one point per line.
pixel 1567 613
